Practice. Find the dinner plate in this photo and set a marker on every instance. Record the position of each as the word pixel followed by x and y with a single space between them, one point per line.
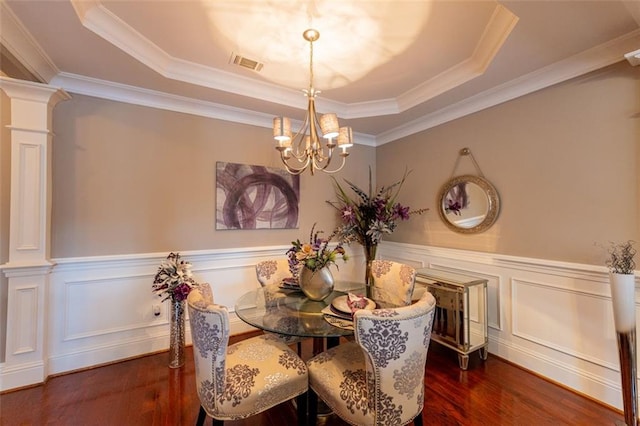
pixel 340 304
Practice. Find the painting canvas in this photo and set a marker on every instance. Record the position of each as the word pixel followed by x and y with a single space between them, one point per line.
pixel 256 197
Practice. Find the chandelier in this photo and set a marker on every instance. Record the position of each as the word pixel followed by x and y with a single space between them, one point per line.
pixel 305 149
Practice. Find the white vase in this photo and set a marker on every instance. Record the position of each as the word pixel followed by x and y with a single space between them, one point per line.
pixel 623 296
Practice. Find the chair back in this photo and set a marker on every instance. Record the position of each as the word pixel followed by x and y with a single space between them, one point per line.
pixel 395 343
pixel 210 334
pixel 393 282
pixel 272 271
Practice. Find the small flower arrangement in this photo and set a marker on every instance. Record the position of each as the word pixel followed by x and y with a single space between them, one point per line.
pixel 316 254
pixel 621 258
pixel 174 279
pixel 369 216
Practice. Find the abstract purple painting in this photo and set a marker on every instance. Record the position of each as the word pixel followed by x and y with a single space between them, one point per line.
pixel 255 197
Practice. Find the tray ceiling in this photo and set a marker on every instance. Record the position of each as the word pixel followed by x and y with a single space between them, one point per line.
pixel 387 68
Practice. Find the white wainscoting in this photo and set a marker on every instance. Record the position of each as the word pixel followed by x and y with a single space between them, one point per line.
pixel 552 318
pixel 101 308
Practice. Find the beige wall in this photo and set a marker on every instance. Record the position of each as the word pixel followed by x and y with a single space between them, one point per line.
pixel 564 161
pixel 131 179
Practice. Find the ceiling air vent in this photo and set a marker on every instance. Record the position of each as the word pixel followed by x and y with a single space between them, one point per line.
pixel 246 62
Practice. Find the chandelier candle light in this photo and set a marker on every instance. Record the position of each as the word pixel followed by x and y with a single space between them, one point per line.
pixel 304 150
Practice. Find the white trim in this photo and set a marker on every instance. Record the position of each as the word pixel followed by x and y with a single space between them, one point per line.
pixel 99 19
pixel 576 363
pixel 598 57
pixel 23 46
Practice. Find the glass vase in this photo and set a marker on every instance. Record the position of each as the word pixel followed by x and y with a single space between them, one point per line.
pixel 176 336
pixel 370 255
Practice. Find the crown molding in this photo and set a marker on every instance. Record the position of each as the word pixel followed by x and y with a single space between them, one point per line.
pixel 88 86
pixel 633 57
pixel 98 19
pixel 23 47
pixel 139 96
pixel 20 43
pixel 590 60
pixel 494 36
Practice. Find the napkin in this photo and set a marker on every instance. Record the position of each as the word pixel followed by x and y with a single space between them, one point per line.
pixel 356 302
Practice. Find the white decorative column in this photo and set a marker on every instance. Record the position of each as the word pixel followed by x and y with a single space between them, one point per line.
pixel 29 264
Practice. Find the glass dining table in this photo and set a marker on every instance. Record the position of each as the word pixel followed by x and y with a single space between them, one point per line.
pixel 291 313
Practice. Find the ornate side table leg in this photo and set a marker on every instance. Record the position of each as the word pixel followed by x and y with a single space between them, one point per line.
pixel 463 361
pixel 484 353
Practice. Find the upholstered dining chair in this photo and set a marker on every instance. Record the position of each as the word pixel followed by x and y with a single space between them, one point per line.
pixel 270 273
pixel 237 381
pixel 378 379
pixel 393 282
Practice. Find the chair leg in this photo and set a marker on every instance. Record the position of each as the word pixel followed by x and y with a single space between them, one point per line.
pixel 418 420
pixel 299 348
pixel 313 407
pixel 301 402
pixel 201 416
pixel 217 422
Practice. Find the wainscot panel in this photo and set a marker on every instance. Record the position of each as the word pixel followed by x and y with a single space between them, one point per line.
pixel 101 309
pixel 550 317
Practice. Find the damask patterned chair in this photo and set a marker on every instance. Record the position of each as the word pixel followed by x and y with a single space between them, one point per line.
pixel 270 273
pixel 379 378
pixel 237 381
pixel 393 282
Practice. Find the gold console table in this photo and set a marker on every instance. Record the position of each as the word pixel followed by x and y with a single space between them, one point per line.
pixel 460 321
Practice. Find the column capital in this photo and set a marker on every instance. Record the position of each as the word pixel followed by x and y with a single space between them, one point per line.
pixel 30 91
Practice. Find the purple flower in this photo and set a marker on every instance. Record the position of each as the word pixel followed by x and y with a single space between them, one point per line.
pixel 453 206
pixel 181 291
pixel 401 212
pixel 369 215
pixel 348 215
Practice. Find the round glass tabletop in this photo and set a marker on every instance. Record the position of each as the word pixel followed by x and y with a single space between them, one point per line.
pixel 287 312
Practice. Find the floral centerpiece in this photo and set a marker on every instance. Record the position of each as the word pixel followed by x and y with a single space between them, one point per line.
pixel 310 261
pixel 368 216
pixel 316 254
pixel 174 279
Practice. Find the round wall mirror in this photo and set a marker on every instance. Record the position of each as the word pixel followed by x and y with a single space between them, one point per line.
pixel 468 204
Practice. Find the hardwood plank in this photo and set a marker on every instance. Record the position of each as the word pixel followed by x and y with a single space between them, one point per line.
pixel 144 391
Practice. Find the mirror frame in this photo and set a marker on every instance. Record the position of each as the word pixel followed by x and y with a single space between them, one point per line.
pixel 492 198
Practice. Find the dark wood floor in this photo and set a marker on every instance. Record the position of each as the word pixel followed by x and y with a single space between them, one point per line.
pixel 144 391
